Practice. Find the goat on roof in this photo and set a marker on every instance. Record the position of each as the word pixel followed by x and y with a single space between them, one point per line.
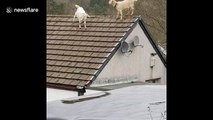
pixel 81 15
pixel 122 5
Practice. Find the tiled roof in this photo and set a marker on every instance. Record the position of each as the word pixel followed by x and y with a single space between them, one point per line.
pixel 76 56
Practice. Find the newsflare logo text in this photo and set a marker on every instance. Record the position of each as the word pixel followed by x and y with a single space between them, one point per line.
pixel 21 10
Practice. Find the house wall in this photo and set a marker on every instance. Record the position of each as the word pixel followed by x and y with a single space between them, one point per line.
pixel 135 66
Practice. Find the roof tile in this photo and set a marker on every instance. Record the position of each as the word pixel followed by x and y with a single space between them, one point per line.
pixel 67 82
pixel 64 69
pixel 76 76
pixel 53 80
pixel 74 82
pixel 69 76
pixel 70 70
pixel 61 81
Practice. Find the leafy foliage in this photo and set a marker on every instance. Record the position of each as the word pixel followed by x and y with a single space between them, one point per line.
pixel 97 7
pixel 54 7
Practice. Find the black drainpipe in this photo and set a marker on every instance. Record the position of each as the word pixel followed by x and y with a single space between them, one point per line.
pixel 81 90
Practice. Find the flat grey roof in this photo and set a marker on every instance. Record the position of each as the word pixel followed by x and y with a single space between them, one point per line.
pixel 140 102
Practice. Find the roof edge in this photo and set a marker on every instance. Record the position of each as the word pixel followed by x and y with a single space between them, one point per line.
pixel 151 40
pixel 61 86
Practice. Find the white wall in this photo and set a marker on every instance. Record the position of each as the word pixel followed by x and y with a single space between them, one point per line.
pixel 125 67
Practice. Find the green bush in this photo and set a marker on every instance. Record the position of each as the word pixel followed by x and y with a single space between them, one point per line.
pixel 98 7
pixel 55 8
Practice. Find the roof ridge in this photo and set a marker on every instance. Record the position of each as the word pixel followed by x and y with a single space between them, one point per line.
pixel 91 16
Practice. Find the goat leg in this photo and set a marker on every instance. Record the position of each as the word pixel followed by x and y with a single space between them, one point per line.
pixel 117 16
pixel 85 22
pixel 121 13
pixel 132 11
pixel 129 11
pixel 73 18
pixel 79 24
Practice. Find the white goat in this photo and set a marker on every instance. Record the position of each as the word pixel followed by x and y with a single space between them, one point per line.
pixel 122 5
pixel 81 15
